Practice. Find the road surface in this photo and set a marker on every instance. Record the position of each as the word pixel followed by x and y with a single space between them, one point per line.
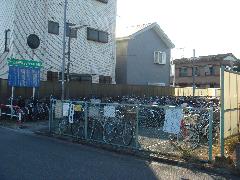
pixel 29 156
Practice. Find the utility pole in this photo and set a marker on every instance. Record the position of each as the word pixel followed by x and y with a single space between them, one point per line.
pixel 64 48
pixel 71 30
pixel 69 61
pixel 193 73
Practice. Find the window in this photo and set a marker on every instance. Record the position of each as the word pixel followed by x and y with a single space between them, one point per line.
pixel 159 57
pixel 52 76
pixel 71 32
pixel 103 37
pixel 105 79
pixel 212 85
pixel 95 35
pixel 53 27
pixel 103 1
pixel 7 39
pixel 209 70
pixel 196 69
pixel 60 76
pixel 183 72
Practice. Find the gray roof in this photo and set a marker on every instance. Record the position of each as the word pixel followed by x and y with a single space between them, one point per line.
pixel 133 31
pixel 218 57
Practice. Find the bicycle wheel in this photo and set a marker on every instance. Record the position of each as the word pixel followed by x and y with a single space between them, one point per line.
pixel 127 133
pixel 191 142
pixel 77 129
pixel 109 132
pixel 62 127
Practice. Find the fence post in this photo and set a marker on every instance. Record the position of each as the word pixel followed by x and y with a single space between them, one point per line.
pixel 222 112
pixel 136 131
pixel 210 136
pixel 85 120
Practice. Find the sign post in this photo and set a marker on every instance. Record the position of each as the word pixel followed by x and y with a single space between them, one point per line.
pixel 34 90
pixel 12 95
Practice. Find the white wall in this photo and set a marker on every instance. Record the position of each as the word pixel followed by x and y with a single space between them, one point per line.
pixel 6 22
pixel 32 16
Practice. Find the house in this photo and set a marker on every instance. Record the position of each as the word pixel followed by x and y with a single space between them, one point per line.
pixel 143 56
pixel 207 70
pixel 93 46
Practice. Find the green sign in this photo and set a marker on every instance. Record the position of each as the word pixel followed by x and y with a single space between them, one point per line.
pixel 24 63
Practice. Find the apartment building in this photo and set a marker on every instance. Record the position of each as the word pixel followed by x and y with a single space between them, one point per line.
pixel 93 54
pixel 206 70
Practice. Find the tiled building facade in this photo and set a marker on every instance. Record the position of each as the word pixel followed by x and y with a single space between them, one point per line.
pixel 92 49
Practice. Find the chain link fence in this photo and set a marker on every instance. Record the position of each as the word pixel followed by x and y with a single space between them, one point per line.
pixel 166 130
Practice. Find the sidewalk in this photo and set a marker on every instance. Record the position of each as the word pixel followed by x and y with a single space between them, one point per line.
pixel 38 126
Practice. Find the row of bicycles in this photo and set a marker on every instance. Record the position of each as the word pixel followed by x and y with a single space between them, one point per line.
pixel 30 109
pixel 121 127
pixel 195 129
pixel 118 128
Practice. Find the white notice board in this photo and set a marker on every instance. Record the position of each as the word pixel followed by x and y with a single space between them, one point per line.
pixel 172 121
pixel 65 109
pixel 109 111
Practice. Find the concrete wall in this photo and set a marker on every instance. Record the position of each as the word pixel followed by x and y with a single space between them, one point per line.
pixel 140 65
pixel 32 16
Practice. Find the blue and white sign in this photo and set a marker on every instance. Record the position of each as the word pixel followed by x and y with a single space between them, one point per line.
pixel 24 73
pixel 23 76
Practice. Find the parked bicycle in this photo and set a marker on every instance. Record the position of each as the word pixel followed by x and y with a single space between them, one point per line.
pixel 121 127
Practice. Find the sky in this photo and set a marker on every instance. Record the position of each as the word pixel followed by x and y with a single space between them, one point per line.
pixel 208 26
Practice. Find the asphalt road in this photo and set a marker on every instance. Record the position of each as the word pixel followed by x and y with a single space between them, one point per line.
pixel 29 156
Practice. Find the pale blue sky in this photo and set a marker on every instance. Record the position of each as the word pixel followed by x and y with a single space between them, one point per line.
pixel 209 26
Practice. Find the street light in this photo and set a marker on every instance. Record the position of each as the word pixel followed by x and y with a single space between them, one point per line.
pixel 71 28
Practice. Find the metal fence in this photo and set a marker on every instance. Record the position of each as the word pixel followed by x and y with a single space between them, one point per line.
pixel 167 130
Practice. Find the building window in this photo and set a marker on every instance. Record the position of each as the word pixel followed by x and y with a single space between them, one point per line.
pixel 71 31
pixel 53 27
pixel 212 85
pixel 103 1
pixel 159 57
pixel 196 71
pixel 183 72
pixel 105 79
pixel 103 37
pixel 209 70
pixel 52 76
pixel 95 35
pixel 7 40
